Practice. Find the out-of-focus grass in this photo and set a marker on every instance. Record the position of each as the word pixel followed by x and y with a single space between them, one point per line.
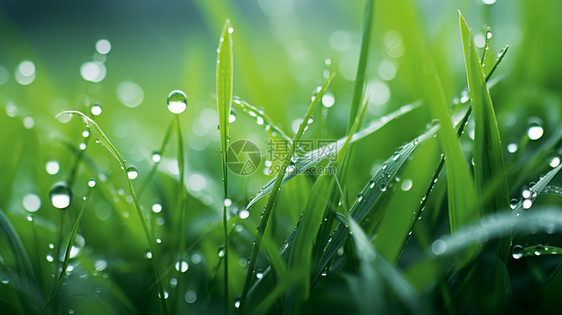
pixel 282 52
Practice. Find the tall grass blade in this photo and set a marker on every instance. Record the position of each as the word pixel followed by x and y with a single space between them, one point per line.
pixel 301 253
pixel 66 259
pixel 489 169
pixel 224 103
pixel 359 83
pixel 103 140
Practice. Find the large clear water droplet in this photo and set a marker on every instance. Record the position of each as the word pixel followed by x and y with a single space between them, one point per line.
pixel 132 172
pixel 60 196
pixel 237 302
pixel 177 102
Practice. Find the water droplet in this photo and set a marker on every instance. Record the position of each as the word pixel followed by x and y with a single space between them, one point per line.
pixel 383 187
pixel 535 130
pixel 237 302
pixel 526 194
pixel 489 2
pixel 96 109
pixel 60 196
pixel 156 208
pixel 31 202
pixel 513 203
pixel 315 92
pixel 527 204
pixel 554 162
pixel 406 184
pixel 100 265
pixel 232 116
pixel 29 217
pixel 359 197
pixel 51 245
pixel 512 147
pixel 190 296
pixel 177 102
pixel 92 183
pixel 132 172
pixel 50 258
pixel 395 156
pixel 371 184
pixel 227 202
pixel 148 255
pixel 221 251
pixel 328 100
pixel 517 251
pixel 82 146
pixel 244 214
pixel 52 167
pixel 156 157
pixel 182 266
pixel 488 33
pixel 438 247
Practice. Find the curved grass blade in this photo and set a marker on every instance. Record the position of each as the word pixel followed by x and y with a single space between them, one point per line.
pixel 275 190
pixel 103 140
pixel 314 157
pixel 224 103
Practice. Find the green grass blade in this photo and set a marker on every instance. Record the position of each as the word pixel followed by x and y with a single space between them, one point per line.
pixel 369 196
pixel 373 268
pixel 362 65
pixel 26 279
pixel 275 190
pixel 224 102
pixel 156 164
pixel 66 259
pixel 460 187
pixel 301 252
pixel 256 112
pixel 489 169
pixel 314 157
pixel 103 140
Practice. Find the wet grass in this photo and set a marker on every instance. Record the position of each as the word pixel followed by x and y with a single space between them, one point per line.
pixel 437 206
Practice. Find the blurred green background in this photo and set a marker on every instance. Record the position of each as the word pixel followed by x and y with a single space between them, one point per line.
pixel 50 52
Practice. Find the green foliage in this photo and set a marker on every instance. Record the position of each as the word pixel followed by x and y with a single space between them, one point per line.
pixel 364 205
